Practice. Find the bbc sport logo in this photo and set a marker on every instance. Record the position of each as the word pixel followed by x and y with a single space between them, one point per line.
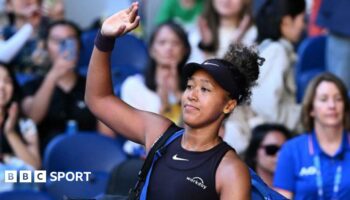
pixel 40 176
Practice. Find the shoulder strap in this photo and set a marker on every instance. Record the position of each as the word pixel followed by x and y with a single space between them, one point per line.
pixel 135 192
pixel 157 145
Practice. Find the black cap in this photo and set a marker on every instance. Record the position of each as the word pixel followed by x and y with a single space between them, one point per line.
pixel 220 70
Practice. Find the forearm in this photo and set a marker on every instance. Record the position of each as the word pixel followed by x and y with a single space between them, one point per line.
pixel 38 106
pixel 10 48
pixel 21 150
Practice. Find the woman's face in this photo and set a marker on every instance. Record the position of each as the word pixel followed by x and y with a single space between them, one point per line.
pixel 6 86
pixel 293 27
pixel 167 48
pixel 57 35
pixel 266 157
pixel 328 105
pixel 203 101
pixel 228 8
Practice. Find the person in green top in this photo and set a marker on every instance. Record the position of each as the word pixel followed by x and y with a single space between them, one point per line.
pixel 184 12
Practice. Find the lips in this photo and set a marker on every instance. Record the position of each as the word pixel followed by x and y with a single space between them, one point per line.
pixel 189 108
pixel 332 115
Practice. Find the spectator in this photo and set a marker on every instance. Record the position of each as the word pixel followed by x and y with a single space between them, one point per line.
pixel 261 155
pixel 22 12
pixel 19 147
pixel 315 165
pixel 54 99
pixel 334 16
pixel 161 86
pixel 280 23
pixel 184 12
pixel 221 24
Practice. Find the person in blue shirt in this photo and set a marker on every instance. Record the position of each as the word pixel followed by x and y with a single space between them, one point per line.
pixel 316 165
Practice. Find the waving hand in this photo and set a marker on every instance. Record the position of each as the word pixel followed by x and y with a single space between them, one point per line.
pixel 121 22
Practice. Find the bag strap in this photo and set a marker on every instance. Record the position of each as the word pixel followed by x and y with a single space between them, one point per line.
pixel 157 145
pixel 134 192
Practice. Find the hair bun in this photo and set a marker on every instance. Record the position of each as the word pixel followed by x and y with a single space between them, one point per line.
pixel 247 61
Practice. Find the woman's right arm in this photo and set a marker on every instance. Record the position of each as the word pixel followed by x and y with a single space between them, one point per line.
pixel 139 126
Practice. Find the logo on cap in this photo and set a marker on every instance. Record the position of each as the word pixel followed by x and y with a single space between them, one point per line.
pixel 213 64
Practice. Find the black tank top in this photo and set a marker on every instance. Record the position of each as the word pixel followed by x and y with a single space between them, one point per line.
pixel 186 175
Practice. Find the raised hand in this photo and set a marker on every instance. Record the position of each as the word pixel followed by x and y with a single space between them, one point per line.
pixel 61 66
pixel 206 34
pixel 121 22
pixel 11 120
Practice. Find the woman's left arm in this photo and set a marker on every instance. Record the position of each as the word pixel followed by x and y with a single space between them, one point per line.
pixel 232 178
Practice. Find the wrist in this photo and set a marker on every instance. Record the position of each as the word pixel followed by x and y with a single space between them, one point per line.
pixel 104 43
pixel 10 132
pixel 52 77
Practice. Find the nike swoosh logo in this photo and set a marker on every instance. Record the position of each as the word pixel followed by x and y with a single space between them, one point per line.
pixel 179 159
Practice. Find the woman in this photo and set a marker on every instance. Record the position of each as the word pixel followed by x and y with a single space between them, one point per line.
pixel 315 165
pixel 280 24
pixel 222 23
pixel 18 136
pixel 212 93
pixel 51 101
pixel 264 145
pixel 161 86
pixel 21 13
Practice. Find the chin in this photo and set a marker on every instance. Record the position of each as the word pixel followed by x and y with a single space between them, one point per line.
pixel 191 122
pixel 334 123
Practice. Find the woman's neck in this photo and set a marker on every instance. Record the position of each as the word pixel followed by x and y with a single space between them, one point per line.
pixel 329 137
pixel 229 21
pixel 201 139
pixel 188 4
pixel 68 81
pixel 266 176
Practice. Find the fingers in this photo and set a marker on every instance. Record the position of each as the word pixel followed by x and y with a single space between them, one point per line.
pixel 133 13
pixel 133 6
pixel 135 23
pixel 13 110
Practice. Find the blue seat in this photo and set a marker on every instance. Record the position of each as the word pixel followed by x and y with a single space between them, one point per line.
pixel 24 195
pixel 87 39
pixel 311 61
pixel 81 152
pixel 131 52
pixel 129 58
pixel 23 78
